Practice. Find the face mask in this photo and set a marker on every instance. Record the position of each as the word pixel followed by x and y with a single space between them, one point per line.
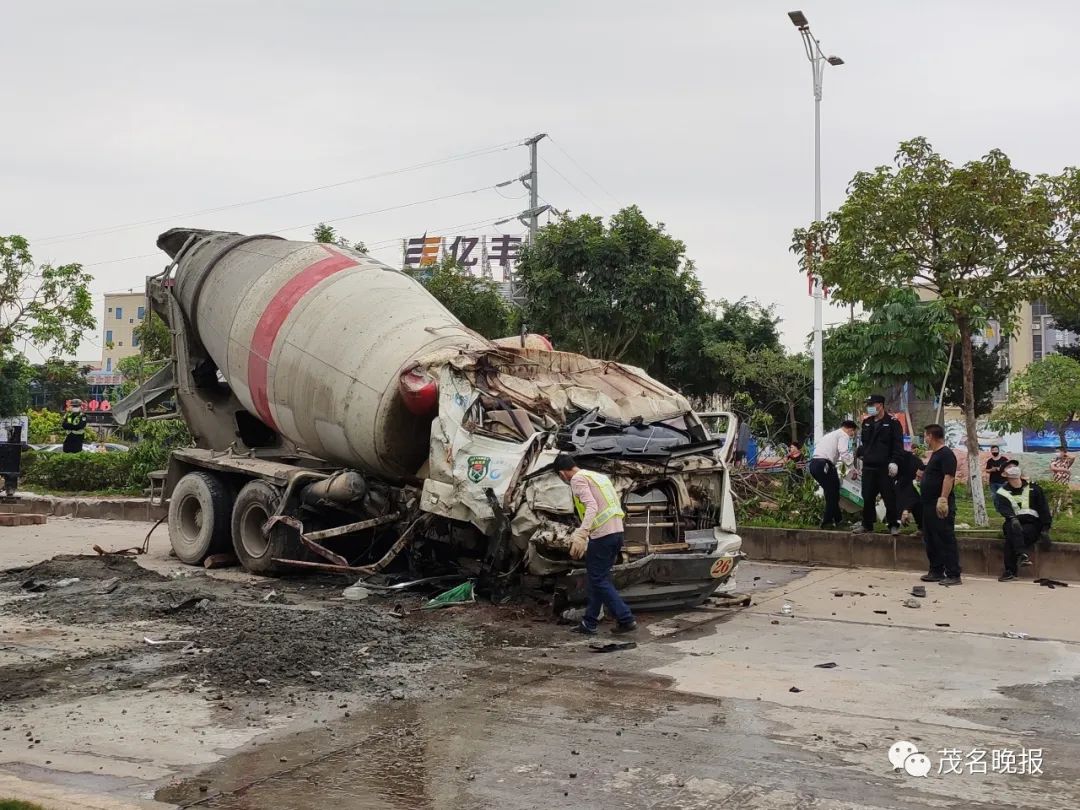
pixel 871 410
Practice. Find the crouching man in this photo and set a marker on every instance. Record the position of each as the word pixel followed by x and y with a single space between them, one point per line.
pixel 1027 519
pixel 599 540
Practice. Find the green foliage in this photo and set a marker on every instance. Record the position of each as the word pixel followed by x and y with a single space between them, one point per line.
pixel 624 291
pixel 981 238
pixel 155 439
pixel 60 380
pixel 45 426
pixel 78 472
pixel 15 376
pixel 1046 391
pixel 777 500
pixel 47 305
pixel 475 301
pixel 694 361
pixel 17 804
pixel 988 375
pixel 903 340
pixel 777 387
pixel 327 234
pixel 155 340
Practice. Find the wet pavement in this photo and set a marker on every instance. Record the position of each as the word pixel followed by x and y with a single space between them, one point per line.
pixel 723 706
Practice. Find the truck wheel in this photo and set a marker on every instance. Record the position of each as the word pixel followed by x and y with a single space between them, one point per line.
pixel 256 502
pixel 199 513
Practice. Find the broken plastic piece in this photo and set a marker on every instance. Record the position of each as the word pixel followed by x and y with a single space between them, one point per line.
pixel 1011 634
pixel 794 689
pixel 461 595
pixel 829 665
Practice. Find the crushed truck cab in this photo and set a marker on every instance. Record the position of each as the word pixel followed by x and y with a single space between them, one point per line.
pixel 346 421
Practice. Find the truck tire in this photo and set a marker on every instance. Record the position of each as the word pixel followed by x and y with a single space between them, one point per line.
pixel 200 511
pixel 256 502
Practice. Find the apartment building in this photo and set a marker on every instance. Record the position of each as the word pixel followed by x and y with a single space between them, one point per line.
pixel 123 312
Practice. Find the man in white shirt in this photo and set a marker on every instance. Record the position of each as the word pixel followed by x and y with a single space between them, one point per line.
pixel 831 450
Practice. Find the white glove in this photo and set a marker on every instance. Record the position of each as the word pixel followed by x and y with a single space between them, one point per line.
pixel 893 470
pixel 579 542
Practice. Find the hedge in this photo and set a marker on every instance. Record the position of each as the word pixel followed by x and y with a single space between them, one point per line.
pixel 78 472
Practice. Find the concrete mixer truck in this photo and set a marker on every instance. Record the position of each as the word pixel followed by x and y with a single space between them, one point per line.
pixel 344 420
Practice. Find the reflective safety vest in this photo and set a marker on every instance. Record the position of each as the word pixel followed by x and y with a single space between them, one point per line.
pixel 73 425
pixel 1021 501
pixel 610 507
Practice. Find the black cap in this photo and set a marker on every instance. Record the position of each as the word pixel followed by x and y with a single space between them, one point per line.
pixel 563 462
pixel 875 399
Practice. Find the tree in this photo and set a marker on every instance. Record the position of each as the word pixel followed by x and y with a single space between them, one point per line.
pixel 777 384
pixel 988 375
pixel 1047 391
pixel 623 291
pixel 903 341
pixel 980 238
pixel 475 301
pixel 154 337
pixel 15 376
pixel 46 305
pixel 328 235
pixel 693 361
pixel 56 381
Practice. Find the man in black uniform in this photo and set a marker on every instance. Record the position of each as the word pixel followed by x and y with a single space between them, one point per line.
pixel 908 500
pixel 994 469
pixel 74 426
pixel 939 510
pixel 881 450
pixel 1027 518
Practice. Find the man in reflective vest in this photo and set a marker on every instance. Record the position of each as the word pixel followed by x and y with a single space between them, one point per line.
pixel 599 540
pixel 74 426
pixel 1027 519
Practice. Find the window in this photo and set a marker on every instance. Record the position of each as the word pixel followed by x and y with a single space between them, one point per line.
pixel 110 309
pixel 1036 347
pixel 121 343
pixel 131 320
pixel 140 313
pixel 1039 309
pixel 134 340
pixel 119 313
pixel 108 335
pixel 108 364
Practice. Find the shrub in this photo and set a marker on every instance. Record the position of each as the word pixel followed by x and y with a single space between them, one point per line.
pixel 77 472
pixel 45 428
pixel 154 441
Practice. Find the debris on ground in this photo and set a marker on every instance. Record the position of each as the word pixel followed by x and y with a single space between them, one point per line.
pixel 1051 583
pixel 848 593
pixel 612 646
pixel 794 689
pixel 942 624
pixel 912 603
pixel 1011 634
pixel 829 665
pixel 919 590
pixel 232 638
pixel 461 595
pixel 221 561
pixel 356 593
pixel 882 612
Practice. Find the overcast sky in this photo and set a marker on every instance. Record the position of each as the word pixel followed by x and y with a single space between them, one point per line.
pixel 699 112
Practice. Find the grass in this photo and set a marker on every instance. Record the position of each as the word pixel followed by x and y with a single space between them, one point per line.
pixel 16 804
pixel 126 492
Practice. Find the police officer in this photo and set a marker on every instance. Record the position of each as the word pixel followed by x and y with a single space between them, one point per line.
pixel 599 540
pixel 1027 518
pixel 881 450
pixel 74 426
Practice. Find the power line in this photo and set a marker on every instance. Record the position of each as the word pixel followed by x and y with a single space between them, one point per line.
pixel 575 188
pixel 584 171
pixel 323 221
pixel 415 167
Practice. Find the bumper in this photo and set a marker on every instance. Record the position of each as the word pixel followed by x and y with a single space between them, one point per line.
pixel 663 581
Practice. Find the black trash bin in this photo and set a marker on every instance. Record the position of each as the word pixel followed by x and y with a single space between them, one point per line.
pixel 11 459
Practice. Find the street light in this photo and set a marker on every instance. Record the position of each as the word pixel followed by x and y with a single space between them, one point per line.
pixel 817 63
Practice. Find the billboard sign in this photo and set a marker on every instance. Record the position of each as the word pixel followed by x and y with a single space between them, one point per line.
pixel 488 256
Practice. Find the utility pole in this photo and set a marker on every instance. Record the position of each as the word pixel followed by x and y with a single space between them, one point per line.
pixel 531 184
pixel 817 63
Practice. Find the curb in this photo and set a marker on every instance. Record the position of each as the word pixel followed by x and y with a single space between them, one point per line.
pixel 91 508
pixel 980 556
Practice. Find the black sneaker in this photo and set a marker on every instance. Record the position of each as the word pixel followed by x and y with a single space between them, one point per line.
pixel 1008 576
pixel 930 576
pixel 1024 560
pixel 947 581
pixel 621 629
pixel 581 629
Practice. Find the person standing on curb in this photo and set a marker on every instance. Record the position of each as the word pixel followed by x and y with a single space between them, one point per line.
pixel 833 448
pixel 881 449
pixel 939 510
pixel 599 540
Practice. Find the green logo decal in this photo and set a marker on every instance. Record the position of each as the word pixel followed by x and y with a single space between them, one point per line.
pixel 478 468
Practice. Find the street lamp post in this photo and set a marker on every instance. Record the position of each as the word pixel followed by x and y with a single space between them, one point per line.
pixel 817 63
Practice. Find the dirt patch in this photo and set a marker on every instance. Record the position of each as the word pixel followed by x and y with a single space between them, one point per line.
pixel 226 636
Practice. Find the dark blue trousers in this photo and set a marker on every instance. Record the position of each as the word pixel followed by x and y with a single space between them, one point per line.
pixel 602 553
